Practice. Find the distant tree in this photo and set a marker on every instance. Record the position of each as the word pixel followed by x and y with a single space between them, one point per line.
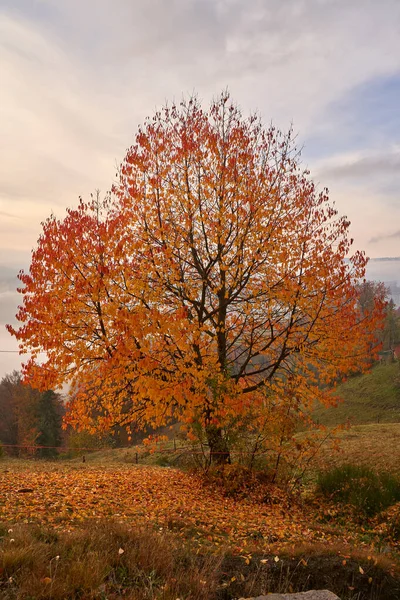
pixel 370 294
pixel 8 420
pixel 50 409
pixel 391 330
pixel 18 404
pixel 29 418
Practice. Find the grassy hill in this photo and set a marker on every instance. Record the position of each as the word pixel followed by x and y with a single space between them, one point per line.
pixel 370 398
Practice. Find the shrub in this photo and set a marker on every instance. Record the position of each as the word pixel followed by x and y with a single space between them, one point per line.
pixel 163 461
pixel 234 480
pixel 81 442
pixel 237 481
pixel 360 487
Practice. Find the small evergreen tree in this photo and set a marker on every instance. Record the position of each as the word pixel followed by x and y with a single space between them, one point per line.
pixel 50 410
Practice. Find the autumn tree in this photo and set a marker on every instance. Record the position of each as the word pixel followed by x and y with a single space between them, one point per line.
pixel 210 284
pixel 370 294
pixel 29 418
pixel 18 404
pixel 391 330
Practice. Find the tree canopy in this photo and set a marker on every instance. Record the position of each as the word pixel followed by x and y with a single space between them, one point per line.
pixel 214 280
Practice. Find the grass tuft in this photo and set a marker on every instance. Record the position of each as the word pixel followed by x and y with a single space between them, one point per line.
pixel 366 491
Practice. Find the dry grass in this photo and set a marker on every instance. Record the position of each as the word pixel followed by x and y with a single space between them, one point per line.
pixel 107 560
pixel 376 446
pixel 103 560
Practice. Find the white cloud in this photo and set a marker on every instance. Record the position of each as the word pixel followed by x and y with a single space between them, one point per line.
pixel 58 140
pixel 78 77
pixel 363 185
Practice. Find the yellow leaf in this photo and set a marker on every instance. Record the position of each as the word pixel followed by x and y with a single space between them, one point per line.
pixel 46 580
pixel 361 570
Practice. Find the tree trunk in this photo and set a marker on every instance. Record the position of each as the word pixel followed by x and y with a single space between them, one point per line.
pixel 219 451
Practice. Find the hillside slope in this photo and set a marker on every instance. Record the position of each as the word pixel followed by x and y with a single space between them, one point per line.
pixel 370 398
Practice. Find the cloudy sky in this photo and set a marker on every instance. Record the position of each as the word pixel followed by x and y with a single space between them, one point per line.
pixel 78 76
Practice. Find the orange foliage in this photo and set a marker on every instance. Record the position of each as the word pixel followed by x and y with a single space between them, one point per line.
pixel 212 279
pixel 261 517
pixel 165 498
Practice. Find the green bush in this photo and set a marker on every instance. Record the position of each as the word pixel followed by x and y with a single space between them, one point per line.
pixel 81 442
pixel 163 461
pixel 360 487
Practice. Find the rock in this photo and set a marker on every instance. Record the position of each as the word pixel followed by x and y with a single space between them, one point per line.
pixel 311 595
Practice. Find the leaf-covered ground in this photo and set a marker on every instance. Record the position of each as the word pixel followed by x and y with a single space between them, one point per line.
pixel 64 495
